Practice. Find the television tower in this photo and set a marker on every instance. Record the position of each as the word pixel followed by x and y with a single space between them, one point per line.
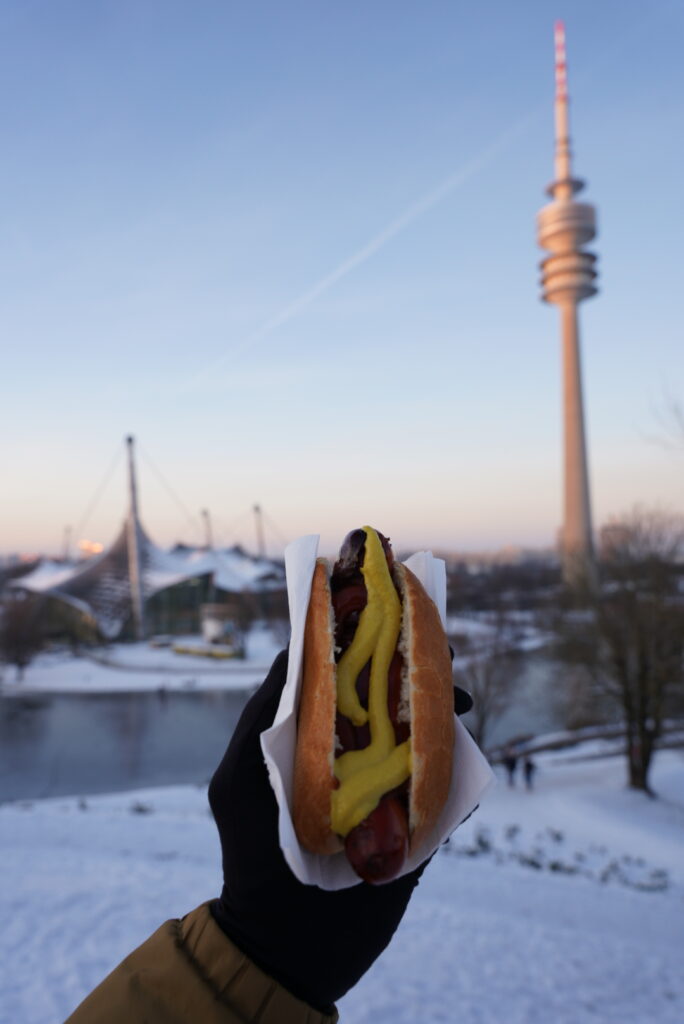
pixel 568 276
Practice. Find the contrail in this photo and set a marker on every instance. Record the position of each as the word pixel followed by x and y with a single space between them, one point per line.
pixel 421 206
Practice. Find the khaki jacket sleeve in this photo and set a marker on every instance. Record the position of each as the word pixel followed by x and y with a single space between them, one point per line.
pixel 190 971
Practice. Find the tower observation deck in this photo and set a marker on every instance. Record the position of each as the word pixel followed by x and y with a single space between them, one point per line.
pixel 568 275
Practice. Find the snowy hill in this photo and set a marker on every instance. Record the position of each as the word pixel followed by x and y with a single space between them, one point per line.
pixel 558 906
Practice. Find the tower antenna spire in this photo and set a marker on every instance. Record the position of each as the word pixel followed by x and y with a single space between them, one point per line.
pixel 563 152
pixel 568 276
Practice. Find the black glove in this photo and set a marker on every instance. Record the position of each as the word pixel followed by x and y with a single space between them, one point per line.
pixel 315 943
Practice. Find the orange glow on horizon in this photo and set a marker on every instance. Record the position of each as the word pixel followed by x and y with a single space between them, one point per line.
pixel 90 547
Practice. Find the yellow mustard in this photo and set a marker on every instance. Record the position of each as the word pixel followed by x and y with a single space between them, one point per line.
pixel 365 775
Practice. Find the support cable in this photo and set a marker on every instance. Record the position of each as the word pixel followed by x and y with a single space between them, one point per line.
pixel 227 531
pixel 99 491
pixel 192 519
pixel 274 529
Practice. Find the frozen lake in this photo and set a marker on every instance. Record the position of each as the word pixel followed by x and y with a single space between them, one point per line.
pixel 64 744
pixel 539 686
pixel 56 743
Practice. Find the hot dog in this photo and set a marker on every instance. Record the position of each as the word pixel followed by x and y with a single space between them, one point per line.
pixel 375 729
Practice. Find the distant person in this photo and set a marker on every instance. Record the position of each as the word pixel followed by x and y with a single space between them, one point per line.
pixel 510 761
pixel 529 768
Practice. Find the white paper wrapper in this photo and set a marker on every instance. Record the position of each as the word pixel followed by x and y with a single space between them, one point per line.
pixel 471 772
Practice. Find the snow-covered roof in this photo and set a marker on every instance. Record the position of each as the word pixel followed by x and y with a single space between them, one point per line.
pixel 101 584
pixel 232 568
pixel 46 575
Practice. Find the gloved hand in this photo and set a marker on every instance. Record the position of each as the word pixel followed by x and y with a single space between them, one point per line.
pixel 315 943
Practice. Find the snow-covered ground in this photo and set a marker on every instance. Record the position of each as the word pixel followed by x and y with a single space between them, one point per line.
pixel 139 666
pixel 123 667
pixel 478 634
pixel 560 906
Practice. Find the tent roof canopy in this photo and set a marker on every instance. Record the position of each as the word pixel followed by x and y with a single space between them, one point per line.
pixel 101 585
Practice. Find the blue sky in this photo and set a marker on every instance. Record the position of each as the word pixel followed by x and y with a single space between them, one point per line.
pixel 291 248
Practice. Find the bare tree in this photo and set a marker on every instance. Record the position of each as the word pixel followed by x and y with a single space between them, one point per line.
pixel 677 422
pixel 630 637
pixel 670 419
pixel 20 633
pixel 486 675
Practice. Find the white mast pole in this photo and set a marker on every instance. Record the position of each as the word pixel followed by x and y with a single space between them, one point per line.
pixel 134 563
pixel 208 535
pixel 261 544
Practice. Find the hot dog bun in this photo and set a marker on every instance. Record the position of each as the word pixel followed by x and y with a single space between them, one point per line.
pixel 427 695
pixel 314 779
